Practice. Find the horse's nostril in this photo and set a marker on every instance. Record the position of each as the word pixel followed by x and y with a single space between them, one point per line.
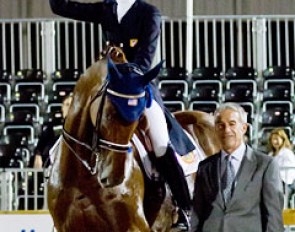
pixel 80 197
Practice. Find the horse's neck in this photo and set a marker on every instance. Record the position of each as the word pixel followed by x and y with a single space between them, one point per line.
pixel 89 83
pixel 97 71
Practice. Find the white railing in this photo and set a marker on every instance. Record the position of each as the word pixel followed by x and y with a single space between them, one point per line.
pixel 26 189
pixel 219 41
pixel 22 189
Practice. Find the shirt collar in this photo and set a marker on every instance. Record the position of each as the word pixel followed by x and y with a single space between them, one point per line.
pixel 237 154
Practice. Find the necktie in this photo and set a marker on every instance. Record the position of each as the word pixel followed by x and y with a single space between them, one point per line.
pixel 228 179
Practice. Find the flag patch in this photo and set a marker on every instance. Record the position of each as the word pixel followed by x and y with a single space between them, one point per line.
pixel 132 102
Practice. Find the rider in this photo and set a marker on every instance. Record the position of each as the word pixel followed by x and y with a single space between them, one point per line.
pixel 137 25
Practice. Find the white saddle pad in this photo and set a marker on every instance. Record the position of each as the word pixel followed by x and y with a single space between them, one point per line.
pixel 189 162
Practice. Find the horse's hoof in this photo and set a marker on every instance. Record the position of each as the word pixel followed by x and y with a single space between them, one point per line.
pixel 183 223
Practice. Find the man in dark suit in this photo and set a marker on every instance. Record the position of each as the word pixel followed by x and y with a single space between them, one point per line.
pixel 238 189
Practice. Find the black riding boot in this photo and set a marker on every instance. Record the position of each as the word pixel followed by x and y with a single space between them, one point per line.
pixel 169 167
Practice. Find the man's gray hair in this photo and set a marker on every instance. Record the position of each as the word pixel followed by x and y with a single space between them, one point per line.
pixel 232 106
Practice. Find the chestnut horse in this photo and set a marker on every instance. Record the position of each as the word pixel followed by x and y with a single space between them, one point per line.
pixel 96 183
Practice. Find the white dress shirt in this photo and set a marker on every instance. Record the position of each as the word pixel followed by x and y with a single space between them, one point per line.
pixel 123 7
pixel 286 158
pixel 235 159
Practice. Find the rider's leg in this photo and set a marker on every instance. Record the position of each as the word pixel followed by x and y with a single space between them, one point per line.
pixel 166 161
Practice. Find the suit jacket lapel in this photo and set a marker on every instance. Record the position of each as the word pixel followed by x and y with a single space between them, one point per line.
pixel 216 183
pixel 245 174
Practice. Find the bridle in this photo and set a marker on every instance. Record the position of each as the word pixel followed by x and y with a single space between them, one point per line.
pixel 99 143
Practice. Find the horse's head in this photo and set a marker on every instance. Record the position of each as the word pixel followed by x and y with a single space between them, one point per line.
pixel 128 89
pixel 127 95
pixel 117 111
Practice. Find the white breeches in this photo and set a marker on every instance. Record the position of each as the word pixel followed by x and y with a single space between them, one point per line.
pixel 158 131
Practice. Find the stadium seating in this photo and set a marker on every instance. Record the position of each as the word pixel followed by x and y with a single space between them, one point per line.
pixel 54 114
pixel 241 84
pixel 278 90
pixel 173 90
pixel 24 113
pixel 66 75
pixel 5 76
pixel 35 97
pixel 5 92
pixel 173 73
pixel 206 90
pixel 241 73
pixel 206 73
pixel 240 91
pixel 278 72
pixel 30 75
pixel 276 113
pixel 60 90
pixel 5 89
pixel 250 109
pixel 205 106
pixel 174 106
pixel 19 135
pixel 29 86
pixel 10 157
pixel 26 92
pixel 2 113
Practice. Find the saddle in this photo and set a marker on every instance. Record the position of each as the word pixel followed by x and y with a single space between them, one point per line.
pixel 141 140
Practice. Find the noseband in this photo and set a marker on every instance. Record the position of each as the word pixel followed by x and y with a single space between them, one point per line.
pixel 99 143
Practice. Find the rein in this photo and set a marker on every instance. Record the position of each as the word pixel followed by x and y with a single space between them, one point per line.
pixel 99 143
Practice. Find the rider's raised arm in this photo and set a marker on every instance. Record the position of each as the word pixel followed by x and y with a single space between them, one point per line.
pixel 91 12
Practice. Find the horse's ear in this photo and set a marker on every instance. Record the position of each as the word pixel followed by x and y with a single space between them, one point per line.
pixel 112 69
pixel 153 73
